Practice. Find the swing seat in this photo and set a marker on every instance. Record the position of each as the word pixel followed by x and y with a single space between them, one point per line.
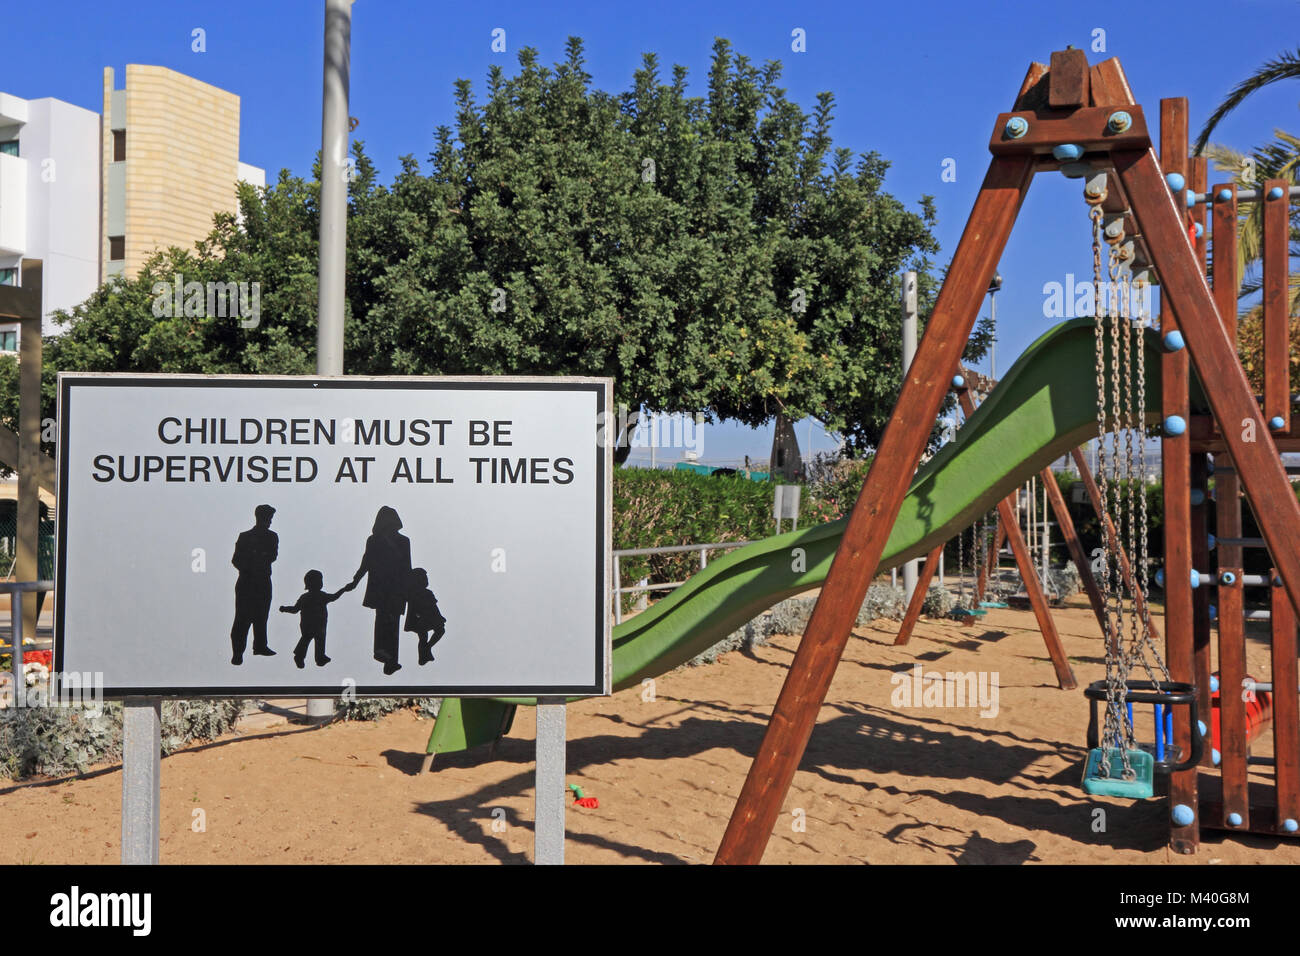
pixel 969 612
pixel 993 604
pixel 1139 788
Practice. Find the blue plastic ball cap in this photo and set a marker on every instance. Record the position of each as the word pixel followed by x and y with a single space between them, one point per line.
pixel 1175 425
pixel 1215 757
pixel 1198 229
pixel 1224 195
pixel 1067 151
pixel 1277 423
pixel 1214 616
pixel 1173 341
pixel 958 382
pixel 1160 577
pixel 1196 578
pixel 1234 819
pixel 1182 815
pixel 1276 193
pixel 1175 181
pixel 1214 684
pixel 1190 199
pixel 1290 826
pixel 1212 542
pixel 1200 725
pixel 1198 497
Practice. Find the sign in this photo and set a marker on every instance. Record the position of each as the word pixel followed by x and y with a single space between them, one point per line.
pixel 785 503
pixel 264 536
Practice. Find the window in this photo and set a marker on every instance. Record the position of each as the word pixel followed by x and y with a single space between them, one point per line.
pixel 116 248
pixel 8 276
pixel 119 145
pixel 9 148
pixel 9 340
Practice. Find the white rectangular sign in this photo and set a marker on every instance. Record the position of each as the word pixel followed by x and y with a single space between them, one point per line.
pixel 232 536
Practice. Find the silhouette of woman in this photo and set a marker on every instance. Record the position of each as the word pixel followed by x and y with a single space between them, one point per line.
pixel 387 561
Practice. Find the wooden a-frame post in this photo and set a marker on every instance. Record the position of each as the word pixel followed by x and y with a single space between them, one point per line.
pixel 1021 144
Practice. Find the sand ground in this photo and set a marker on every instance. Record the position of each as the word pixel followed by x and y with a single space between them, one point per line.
pixel 878 784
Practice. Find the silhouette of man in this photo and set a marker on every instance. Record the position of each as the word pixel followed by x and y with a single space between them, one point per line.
pixel 255 550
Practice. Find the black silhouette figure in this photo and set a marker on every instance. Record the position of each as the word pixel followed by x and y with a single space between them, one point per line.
pixel 255 550
pixel 423 616
pixel 387 562
pixel 312 605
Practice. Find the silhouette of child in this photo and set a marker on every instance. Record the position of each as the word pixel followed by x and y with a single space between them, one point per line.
pixel 312 606
pixel 423 616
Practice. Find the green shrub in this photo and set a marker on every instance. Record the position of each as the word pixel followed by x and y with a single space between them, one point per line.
pixel 59 741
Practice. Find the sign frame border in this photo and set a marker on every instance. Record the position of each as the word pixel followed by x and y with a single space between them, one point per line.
pixel 601 387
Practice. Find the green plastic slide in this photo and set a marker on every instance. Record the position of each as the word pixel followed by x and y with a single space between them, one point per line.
pixel 1043 408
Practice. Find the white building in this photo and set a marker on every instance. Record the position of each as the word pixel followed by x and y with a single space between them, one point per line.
pixel 49 200
pixel 93 199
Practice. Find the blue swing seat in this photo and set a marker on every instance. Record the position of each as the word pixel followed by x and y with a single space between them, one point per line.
pixel 994 604
pixel 1139 788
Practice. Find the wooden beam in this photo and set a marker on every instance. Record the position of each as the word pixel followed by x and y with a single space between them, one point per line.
pixel 1175 455
pixel 981 583
pixel 1277 322
pixel 1086 128
pixel 1033 90
pixel 924 387
pixel 1286 708
pixel 1066 524
pixel 1107 84
pixel 913 613
pixel 1226 283
pixel 1067 83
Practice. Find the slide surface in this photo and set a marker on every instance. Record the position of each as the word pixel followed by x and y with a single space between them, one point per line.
pixel 1044 407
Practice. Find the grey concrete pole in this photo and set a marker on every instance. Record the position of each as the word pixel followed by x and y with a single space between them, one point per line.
pixel 910 568
pixel 141 779
pixel 549 799
pixel 333 214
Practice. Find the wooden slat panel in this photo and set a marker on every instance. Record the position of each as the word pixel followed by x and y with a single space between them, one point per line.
pixel 1286 708
pixel 1277 332
pixel 924 387
pixel 918 596
pixel 1230 396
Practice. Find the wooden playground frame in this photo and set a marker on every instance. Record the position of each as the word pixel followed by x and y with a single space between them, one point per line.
pixel 1009 531
pixel 1092 107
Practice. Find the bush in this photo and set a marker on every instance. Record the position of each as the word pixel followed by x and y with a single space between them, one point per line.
pixel 654 508
pixel 60 741
pixel 372 708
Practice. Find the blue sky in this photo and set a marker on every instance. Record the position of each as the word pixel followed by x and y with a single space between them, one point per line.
pixel 919 82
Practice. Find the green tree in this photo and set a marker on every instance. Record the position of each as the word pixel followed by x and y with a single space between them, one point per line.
pixel 712 254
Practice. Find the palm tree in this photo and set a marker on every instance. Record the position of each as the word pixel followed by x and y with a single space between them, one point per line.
pixel 1285 67
pixel 1279 159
